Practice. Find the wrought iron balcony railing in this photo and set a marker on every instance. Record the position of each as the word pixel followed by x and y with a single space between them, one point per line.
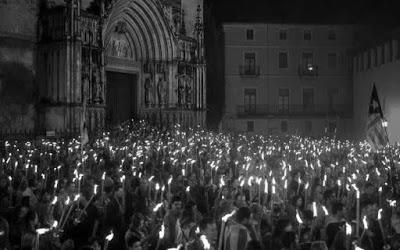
pixel 293 110
pixel 249 71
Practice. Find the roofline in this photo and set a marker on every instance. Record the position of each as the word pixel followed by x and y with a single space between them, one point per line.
pixel 283 23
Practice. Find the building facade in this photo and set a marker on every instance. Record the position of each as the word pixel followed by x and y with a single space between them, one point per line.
pixel 119 59
pixel 288 78
pixel 378 65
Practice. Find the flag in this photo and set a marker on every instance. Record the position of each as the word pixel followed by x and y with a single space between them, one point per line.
pixel 84 130
pixel 376 132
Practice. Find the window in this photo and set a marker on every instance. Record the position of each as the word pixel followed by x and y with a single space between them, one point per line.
pixel 282 35
pixel 284 126
pixel 283 60
pixel 283 100
pixel 308 99
pixel 375 57
pixel 249 63
pixel 332 60
pixel 390 52
pixel 308 126
pixel 383 54
pixel 307 58
pixel 331 35
pixel 250 34
pixel 250 96
pixel 250 126
pixel 332 127
pixel 369 59
pixel 332 98
pixel 307 35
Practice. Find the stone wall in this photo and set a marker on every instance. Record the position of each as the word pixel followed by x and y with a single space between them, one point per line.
pixel 18 20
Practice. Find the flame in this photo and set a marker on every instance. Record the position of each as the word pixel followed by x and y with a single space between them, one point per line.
pixel 157 207
pixel 205 242
pixel 348 229
pixel 162 232
pixel 380 214
pixel 325 210
pixel 266 186
pixel 365 222
pixel 55 224
pixel 226 217
pixel 315 211
pixel 54 200
pixel 110 236
pixel 298 218
pixel 40 231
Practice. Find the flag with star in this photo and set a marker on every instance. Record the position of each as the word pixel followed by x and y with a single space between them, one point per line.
pixel 376 132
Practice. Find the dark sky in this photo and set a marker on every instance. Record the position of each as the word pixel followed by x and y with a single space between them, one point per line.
pixel 370 12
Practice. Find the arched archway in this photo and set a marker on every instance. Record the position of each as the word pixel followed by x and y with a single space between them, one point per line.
pixel 139 44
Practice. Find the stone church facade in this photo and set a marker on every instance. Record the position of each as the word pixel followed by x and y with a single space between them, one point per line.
pixel 121 59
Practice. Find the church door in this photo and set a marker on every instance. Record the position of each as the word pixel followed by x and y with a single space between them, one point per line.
pixel 121 97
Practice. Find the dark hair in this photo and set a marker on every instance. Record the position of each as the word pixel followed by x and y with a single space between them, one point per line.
pixel 336 207
pixel 253 245
pixel 136 219
pixel 280 227
pixel 30 216
pixel 176 198
pixel 132 240
pixel 205 222
pixel 295 198
pixel 366 202
pixel 327 194
pixel 243 213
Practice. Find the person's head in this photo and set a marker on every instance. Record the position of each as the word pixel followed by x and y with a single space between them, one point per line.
pixel 208 227
pixel 318 195
pixel 46 197
pixel 137 221
pixel 253 245
pixel 329 196
pixel 3 182
pixel 395 222
pixel 240 200
pixel 369 188
pixel 32 218
pixel 109 186
pixel 176 204
pixel 297 201
pixel 133 243
pixel 243 215
pixel 338 209
pixel 369 208
pixel 282 226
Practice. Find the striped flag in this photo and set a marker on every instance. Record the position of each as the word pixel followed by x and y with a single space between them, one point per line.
pixel 376 132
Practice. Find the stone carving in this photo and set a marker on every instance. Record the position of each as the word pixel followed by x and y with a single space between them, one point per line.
pixel 188 93
pixel 180 90
pixel 119 45
pixel 148 90
pixel 162 91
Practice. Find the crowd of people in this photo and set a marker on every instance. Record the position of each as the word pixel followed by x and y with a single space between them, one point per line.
pixel 142 187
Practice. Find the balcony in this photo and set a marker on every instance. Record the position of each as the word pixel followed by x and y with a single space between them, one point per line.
pixel 249 71
pixel 308 70
pixel 296 110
